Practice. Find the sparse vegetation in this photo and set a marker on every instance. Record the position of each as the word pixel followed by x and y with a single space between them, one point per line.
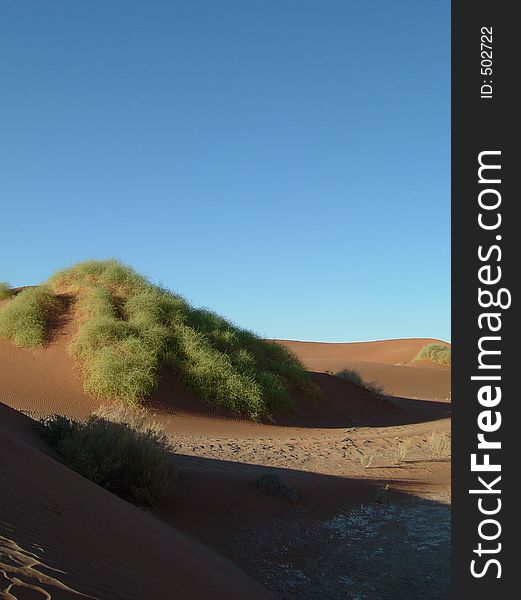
pixel 5 290
pixel 439 444
pixel 23 320
pixel 274 485
pixel 367 459
pixel 402 449
pixel 437 353
pixel 136 416
pixel 354 377
pixel 130 329
pixel 382 495
pixel 120 451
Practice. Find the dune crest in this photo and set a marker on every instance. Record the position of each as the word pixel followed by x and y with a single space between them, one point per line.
pixel 389 363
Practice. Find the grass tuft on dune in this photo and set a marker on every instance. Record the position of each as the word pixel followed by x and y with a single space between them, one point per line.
pixel 354 377
pixel 24 318
pixel 436 353
pixel 130 329
pixel 5 290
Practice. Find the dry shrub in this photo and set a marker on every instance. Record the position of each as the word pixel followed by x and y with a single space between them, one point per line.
pixel 118 449
pixel 439 444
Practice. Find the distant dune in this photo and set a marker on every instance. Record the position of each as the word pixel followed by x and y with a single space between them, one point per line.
pixel 390 352
pixel 389 363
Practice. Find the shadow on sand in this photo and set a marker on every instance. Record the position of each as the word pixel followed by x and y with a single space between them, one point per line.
pixel 343 538
pixel 343 405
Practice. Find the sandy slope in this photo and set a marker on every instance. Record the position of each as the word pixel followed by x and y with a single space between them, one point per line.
pixel 310 549
pixel 105 548
pixel 388 363
pixel 390 352
pixel 102 547
pixel 44 381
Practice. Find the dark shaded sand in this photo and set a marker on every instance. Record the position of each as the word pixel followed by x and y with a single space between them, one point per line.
pixel 102 547
pixel 63 534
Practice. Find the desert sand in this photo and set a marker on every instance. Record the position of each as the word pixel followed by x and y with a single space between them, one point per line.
pixel 65 537
pixel 362 508
pixel 387 363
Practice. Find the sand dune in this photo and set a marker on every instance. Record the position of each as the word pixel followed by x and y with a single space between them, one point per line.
pixel 62 534
pixel 389 363
pixel 390 352
pixel 66 537
pixel 43 381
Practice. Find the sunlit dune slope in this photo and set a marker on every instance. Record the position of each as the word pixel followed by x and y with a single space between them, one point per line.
pixel 389 363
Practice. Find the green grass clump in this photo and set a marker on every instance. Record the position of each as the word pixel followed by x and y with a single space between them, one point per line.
pixel 5 290
pixel 23 320
pixel 130 329
pixel 121 354
pixel 213 376
pixel 129 457
pixel 436 353
pixel 125 370
pixel 110 274
pixel 354 377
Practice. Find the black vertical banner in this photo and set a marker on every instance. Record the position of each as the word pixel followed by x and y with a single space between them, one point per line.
pixel 486 259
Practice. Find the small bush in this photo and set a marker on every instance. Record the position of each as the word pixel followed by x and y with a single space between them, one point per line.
pixel 275 486
pixel 354 377
pixel 131 459
pixel 5 290
pixel 436 353
pixel 439 444
pixel 24 319
pixel 55 429
pixel 402 450
pixel 382 495
pixel 367 459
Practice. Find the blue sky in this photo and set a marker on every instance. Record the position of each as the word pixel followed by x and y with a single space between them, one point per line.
pixel 283 162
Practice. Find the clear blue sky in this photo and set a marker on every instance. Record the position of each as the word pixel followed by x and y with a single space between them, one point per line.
pixel 283 162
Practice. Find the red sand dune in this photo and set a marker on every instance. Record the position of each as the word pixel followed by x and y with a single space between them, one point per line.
pixel 45 381
pixel 104 548
pixel 51 518
pixel 387 363
pixel 390 352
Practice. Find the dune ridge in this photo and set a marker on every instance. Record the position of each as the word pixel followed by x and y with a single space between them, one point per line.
pixel 389 363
